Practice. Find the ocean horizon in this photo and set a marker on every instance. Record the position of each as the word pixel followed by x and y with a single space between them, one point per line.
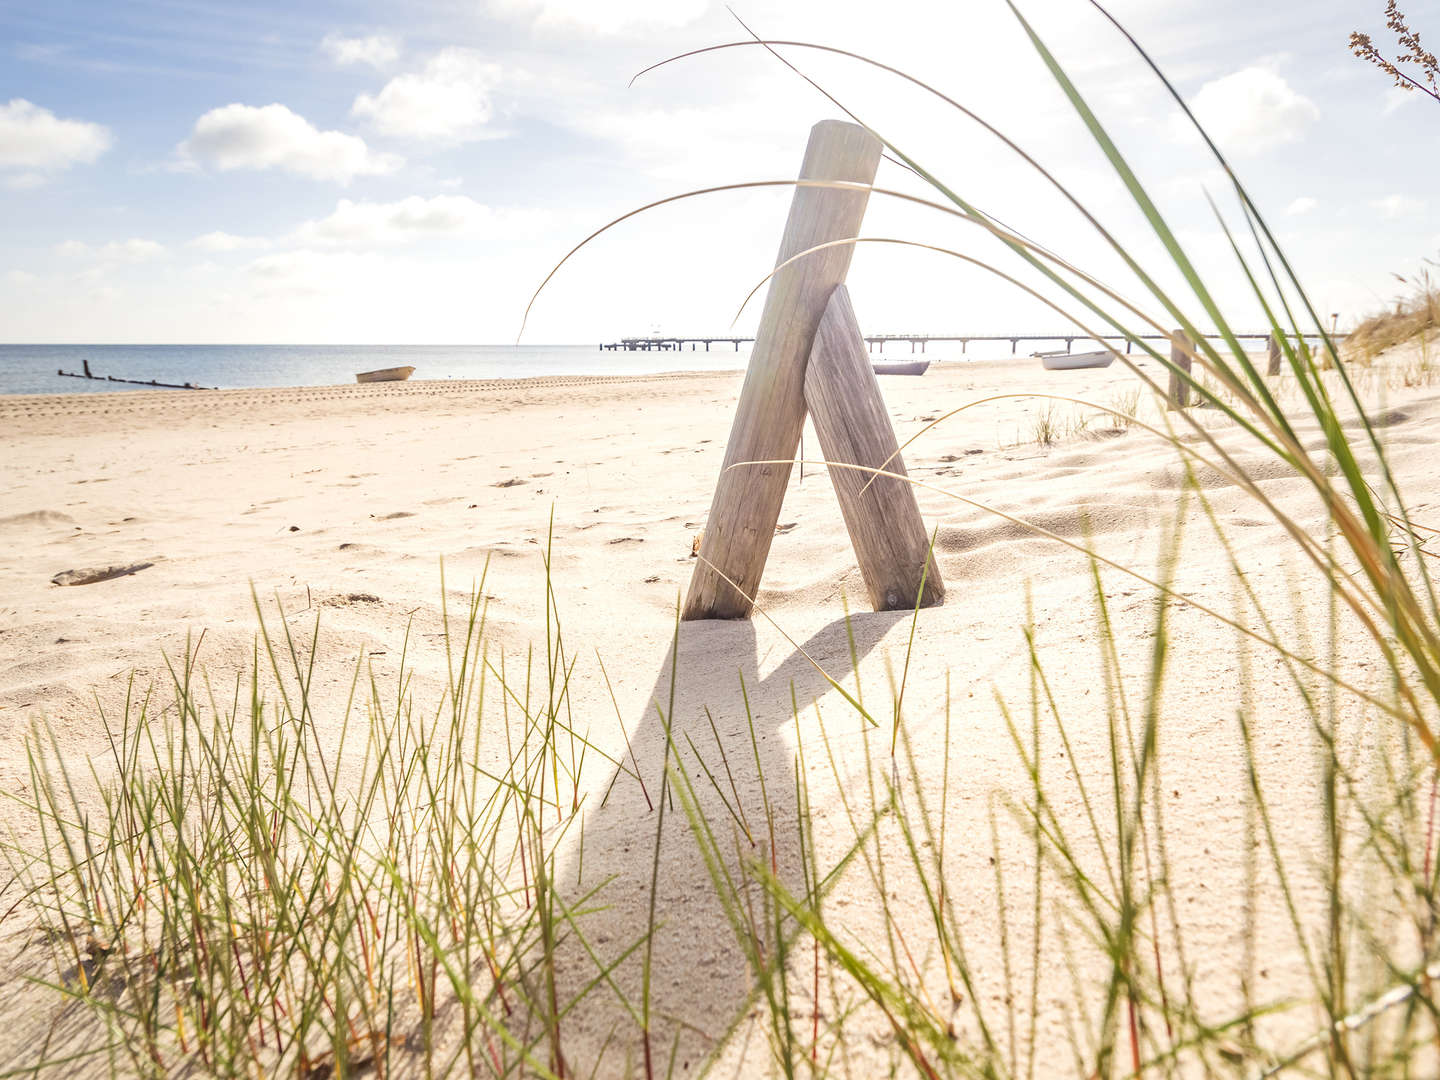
pixel 34 369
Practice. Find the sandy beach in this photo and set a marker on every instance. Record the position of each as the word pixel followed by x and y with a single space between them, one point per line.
pixel 341 504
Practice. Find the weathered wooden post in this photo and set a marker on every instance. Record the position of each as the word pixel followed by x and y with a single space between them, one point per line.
pixel 1273 367
pixel 771 411
pixel 880 512
pixel 1181 353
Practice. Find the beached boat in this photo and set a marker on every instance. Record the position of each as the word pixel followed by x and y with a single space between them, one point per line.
pixel 1065 361
pixel 385 374
pixel 900 367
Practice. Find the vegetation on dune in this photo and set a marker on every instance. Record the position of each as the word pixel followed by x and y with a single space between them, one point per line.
pixel 1423 63
pixel 236 894
pixel 1414 318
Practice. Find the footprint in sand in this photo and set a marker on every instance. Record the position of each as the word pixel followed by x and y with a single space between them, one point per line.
pixel 47 519
pixel 351 598
pixel 361 549
pixel 514 481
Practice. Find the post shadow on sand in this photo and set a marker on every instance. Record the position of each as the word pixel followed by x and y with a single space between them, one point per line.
pixel 699 974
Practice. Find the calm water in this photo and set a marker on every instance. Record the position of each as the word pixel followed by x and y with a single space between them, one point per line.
pixel 31 369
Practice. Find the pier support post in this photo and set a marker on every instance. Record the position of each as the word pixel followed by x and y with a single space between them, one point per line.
pixel 771 411
pixel 1180 357
pixel 1273 367
pixel 880 512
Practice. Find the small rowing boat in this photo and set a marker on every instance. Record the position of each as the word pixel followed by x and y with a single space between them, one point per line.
pixel 1065 361
pixel 900 367
pixel 387 374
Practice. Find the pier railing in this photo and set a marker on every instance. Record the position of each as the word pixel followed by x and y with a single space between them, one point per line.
pixel 877 342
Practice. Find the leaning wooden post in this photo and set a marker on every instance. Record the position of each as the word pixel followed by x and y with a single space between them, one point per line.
pixel 771 411
pixel 1273 368
pixel 880 512
pixel 1181 351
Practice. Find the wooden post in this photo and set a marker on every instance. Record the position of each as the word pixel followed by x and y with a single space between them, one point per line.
pixel 1180 357
pixel 1273 368
pixel 854 427
pixel 771 410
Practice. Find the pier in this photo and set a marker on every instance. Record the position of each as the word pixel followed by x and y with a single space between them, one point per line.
pixel 917 342
pixel 664 344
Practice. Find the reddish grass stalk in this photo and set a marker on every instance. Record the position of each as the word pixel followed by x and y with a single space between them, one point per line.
pixel 815 1010
pixel 1430 824
pixel 1134 1032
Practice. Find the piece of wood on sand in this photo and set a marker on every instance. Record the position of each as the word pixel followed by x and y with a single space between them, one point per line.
pixel 771 411
pixel 854 427
pixel 1182 352
pixel 1273 366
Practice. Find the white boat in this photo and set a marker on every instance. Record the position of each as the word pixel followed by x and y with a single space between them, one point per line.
pixel 1066 361
pixel 387 374
pixel 900 367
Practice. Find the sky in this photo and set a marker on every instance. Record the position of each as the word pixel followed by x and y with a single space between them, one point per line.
pixel 352 171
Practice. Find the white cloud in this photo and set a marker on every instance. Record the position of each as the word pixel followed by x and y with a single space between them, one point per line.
pixel 1394 206
pixel 1303 205
pixel 223 241
pixel 33 138
pixel 25 181
pixel 132 250
pixel 689 144
pixel 273 137
pixel 1251 111
pixel 368 224
pixel 317 272
pixel 377 50
pixel 1397 97
pixel 447 101
pixel 601 16
pixel 19 278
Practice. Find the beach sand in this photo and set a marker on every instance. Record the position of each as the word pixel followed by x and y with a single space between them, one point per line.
pixel 342 503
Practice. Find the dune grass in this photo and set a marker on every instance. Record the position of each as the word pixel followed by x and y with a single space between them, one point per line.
pixel 242 895
pixel 250 889
pixel 1415 316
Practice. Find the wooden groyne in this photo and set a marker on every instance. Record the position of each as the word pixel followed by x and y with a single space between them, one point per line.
pixel 917 342
pixel 88 374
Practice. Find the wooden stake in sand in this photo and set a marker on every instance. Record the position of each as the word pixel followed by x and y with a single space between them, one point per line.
pixel 1181 354
pixel 854 428
pixel 771 411
pixel 1273 367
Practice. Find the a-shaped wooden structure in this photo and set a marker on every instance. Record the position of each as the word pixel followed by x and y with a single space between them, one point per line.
pixel 810 357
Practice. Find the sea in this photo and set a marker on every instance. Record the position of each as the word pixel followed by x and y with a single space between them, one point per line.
pixel 34 369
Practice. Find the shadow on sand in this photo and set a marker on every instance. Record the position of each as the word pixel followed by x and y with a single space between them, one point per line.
pixel 699 978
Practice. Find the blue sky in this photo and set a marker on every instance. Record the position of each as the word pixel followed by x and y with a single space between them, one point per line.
pixel 366 172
